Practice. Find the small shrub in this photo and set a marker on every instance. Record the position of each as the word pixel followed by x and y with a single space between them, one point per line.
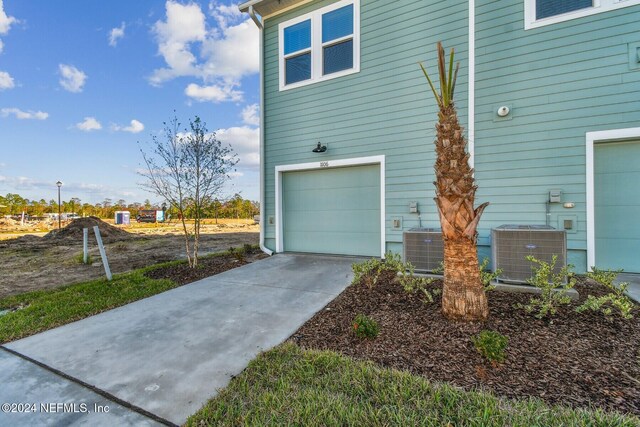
pixel 440 269
pixel 487 276
pixel 614 302
pixel 238 254
pixel 553 289
pixel 80 259
pixel 370 272
pixel 365 327
pixel 491 345
pixel 414 284
pixel 248 249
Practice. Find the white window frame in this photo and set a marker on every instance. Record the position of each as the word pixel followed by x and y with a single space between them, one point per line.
pixel 599 6
pixel 317 45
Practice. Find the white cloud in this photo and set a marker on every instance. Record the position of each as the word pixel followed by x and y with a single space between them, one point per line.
pixel 212 93
pixel 245 141
pixel 5 23
pixel 89 124
pixel 71 78
pixel 6 81
pixel 135 126
pixel 24 115
pixel 116 34
pixel 251 115
pixel 185 24
pixel 228 51
pixel 5 20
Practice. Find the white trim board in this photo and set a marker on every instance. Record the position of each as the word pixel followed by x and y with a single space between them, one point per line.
pixel 591 139
pixel 329 164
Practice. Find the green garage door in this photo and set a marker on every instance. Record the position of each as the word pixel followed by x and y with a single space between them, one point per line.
pixel 617 205
pixel 332 211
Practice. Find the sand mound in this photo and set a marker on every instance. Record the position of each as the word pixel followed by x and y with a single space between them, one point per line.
pixel 73 231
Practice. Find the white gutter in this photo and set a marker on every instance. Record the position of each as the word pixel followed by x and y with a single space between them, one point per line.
pixel 263 223
pixel 471 126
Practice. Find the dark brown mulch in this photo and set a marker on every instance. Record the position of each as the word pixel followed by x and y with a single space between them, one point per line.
pixel 577 359
pixel 207 266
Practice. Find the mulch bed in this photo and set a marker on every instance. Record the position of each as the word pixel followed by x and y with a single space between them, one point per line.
pixel 207 266
pixel 580 360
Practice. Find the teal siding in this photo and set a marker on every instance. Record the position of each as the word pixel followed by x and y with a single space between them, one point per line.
pixel 561 81
pixel 334 211
pixel 617 205
pixel 386 108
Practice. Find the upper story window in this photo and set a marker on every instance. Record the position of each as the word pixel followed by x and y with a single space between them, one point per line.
pixel 320 45
pixel 539 13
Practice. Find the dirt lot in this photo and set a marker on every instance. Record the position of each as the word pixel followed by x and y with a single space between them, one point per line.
pixel 49 259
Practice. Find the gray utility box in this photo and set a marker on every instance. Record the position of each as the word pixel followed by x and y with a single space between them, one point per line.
pixel 510 245
pixel 423 247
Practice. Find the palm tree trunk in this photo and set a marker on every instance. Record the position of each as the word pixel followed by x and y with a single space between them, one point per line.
pixel 463 296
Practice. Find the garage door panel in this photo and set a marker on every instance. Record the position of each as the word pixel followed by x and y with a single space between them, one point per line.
pixel 335 210
pixel 328 199
pixel 342 243
pixel 363 221
pixel 617 205
pixel 618 221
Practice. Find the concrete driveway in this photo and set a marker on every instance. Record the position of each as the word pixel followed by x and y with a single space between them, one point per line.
pixel 166 355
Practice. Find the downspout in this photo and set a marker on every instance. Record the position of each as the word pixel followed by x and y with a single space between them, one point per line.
pixel 256 20
pixel 471 126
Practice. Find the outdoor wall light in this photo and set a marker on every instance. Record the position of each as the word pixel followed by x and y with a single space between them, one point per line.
pixel 569 205
pixel 320 148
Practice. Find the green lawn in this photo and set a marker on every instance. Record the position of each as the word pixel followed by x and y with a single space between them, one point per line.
pixel 289 386
pixel 48 309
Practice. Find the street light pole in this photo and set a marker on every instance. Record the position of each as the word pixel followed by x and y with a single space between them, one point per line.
pixel 59 184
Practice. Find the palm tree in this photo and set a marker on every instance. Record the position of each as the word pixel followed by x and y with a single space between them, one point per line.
pixel 463 295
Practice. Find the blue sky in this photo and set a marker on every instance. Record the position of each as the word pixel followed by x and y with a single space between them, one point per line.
pixel 81 83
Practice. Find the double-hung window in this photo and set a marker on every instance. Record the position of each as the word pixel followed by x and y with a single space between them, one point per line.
pixel 320 45
pixel 545 12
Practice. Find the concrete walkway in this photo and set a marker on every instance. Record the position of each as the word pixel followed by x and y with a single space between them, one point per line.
pixel 168 354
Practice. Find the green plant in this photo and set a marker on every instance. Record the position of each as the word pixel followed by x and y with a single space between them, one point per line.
pixel 415 284
pixel 365 327
pixel 369 272
pixel 248 249
pixel 491 345
pixel 615 301
pixel 80 259
pixel 553 289
pixel 238 253
pixel 488 276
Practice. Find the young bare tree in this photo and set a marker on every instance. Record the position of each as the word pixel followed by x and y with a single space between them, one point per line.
pixel 188 169
pixel 463 295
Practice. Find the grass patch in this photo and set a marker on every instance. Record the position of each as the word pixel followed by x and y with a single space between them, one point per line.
pixel 290 386
pixel 41 310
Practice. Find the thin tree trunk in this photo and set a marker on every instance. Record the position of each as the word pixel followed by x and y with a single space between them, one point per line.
pixel 463 296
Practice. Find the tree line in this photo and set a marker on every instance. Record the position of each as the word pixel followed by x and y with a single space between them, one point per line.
pixel 14 204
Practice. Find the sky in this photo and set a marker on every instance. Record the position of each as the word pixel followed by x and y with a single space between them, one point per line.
pixel 84 85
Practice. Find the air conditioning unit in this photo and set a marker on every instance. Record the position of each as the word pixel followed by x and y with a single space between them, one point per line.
pixel 423 247
pixel 510 245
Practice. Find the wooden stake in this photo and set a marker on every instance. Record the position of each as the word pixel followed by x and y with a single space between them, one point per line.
pixel 85 245
pixel 103 254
